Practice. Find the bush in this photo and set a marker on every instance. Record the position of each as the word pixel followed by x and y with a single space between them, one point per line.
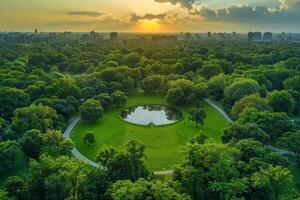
pixel 89 138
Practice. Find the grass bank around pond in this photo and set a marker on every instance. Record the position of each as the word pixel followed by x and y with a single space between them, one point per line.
pixel 163 144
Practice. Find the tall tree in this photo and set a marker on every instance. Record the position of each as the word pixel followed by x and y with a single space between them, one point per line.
pixel 91 110
pixel 34 117
pixel 275 181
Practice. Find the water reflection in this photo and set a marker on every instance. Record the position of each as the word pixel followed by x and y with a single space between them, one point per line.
pixel 151 114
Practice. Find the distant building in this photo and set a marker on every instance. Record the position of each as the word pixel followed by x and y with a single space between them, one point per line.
pixel 36 31
pixel 250 37
pixel 221 36
pixel 93 35
pixel 114 36
pixel 208 35
pixel 188 36
pixel 268 36
pixel 257 36
pixel 254 36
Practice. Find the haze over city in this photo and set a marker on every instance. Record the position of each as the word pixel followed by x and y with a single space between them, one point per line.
pixel 150 15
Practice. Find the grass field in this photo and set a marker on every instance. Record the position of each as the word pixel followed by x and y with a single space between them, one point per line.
pixel 163 144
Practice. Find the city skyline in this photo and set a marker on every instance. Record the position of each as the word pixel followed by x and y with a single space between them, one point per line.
pixel 150 15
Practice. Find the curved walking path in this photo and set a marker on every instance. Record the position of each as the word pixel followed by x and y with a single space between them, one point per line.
pixel 219 109
pixel 75 120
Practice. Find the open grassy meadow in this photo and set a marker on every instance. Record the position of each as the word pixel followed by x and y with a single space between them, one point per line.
pixel 163 144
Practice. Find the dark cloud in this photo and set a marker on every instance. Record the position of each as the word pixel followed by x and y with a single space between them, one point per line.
pixel 86 13
pixel 184 3
pixel 287 11
pixel 135 18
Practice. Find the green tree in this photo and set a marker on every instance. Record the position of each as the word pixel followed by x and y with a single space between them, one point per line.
pixel 209 70
pixel 34 117
pixel 291 142
pixel 275 181
pixel 239 89
pixel 54 144
pixel 274 124
pixel 216 86
pixel 11 98
pixel 281 101
pixel 55 178
pixel 89 138
pixel 238 131
pixel 253 100
pixel 31 143
pixel 175 96
pixel 8 155
pixel 197 115
pixel 16 188
pixel 124 165
pixel 201 138
pixel 119 98
pixel 132 59
pixel 292 83
pixel 95 185
pixel 105 100
pixel 91 110
pixel 204 165
pixel 143 189
pixel 154 83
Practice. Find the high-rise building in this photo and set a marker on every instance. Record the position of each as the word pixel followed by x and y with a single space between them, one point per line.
pixel 93 35
pixel 113 36
pixel 188 36
pixel 250 37
pixel 257 36
pixel 268 36
pixel 208 35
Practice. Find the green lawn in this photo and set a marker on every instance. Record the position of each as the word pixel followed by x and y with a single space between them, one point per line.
pixel 163 144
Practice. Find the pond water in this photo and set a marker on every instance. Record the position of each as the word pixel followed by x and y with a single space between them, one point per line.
pixel 151 114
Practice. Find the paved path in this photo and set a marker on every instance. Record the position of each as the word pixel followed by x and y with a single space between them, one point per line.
pixel 220 110
pixel 74 121
pixel 228 119
pixel 279 150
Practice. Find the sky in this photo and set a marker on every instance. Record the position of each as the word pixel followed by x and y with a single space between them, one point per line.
pixel 150 15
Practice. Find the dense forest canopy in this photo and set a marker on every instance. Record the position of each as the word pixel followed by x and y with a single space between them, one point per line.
pixel 43 86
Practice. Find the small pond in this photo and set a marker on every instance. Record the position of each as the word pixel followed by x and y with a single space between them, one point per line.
pixel 151 115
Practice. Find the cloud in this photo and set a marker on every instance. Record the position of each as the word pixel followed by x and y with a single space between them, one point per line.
pixel 184 3
pixel 135 18
pixel 287 11
pixel 86 13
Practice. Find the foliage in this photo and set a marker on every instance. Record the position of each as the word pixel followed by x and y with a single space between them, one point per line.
pixel 143 189
pixel 89 138
pixel 275 181
pixel 239 131
pixel 91 110
pixel 31 143
pixel 197 115
pixel 253 100
pixel 8 155
pixel 124 165
pixel 34 117
pixel 240 89
pixel 281 101
pixel 291 142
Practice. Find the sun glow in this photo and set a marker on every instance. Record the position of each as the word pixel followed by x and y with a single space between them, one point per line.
pixel 149 26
